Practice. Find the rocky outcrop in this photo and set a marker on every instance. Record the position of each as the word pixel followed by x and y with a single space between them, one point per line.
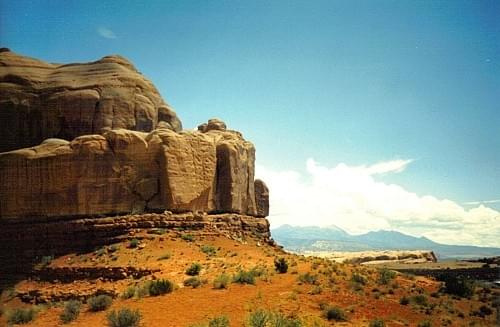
pixel 261 198
pixel 112 158
pixel 127 171
pixel 24 240
pixel 39 100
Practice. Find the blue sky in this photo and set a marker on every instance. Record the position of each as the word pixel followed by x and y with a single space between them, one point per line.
pixel 342 82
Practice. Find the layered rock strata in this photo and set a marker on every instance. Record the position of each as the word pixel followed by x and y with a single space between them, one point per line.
pixel 40 100
pixel 127 171
pixel 28 239
pixel 89 141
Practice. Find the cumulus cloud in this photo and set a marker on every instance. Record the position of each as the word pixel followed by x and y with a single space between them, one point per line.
pixel 106 33
pixel 354 198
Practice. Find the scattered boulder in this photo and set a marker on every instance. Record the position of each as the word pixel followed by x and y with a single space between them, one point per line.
pixel 213 124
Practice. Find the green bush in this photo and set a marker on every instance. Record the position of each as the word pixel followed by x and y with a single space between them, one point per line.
pixel 281 265
pixel 160 286
pixel 46 260
pixel 208 250
pixel 425 323
pixel 258 318
pixel 377 323
pixel 485 310
pixel 335 313
pixel 194 282
pixel 264 318
pixel 124 318
pixel 316 290
pixel 458 286
pixel 419 299
pixel 385 276
pixel 194 269
pixel 357 278
pixel 222 281
pixel 99 302
pixel 279 320
pixel 21 316
pixel 129 292
pixel 244 277
pixel 71 311
pixel 187 237
pixel 133 243
pixel 221 321
pixel 308 278
pixel 404 300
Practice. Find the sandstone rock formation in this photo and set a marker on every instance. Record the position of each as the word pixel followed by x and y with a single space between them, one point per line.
pixel 127 171
pixel 261 198
pixel 39 100
pixel 30 238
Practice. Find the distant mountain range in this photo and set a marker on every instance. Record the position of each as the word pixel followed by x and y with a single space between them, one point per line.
pixel 333 238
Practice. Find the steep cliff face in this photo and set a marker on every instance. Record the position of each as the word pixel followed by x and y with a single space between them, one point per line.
pixel 126 171
pixel 39 100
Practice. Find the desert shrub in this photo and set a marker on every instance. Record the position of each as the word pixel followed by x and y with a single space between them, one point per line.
pixel 194 269
pixel 160 286
pixel 279 320
pixel 244 277
pixel 124 318
pixel 208 250
pixel 385 276
pixel 258 318
pixel 100 252
pixel 316 290
pixel 258 271
pixel 194 282
pixel 133 243
pixel 425 323
pixel 187 237
pixel 129 292
pixel 419 300
pixel 143 290
pixel 308 278
pixel 165 256
pixel 99 302
pixel 21 316
pixel 71 311
pixel 281 265
pixel 377 323
pixel 357 278
pixel 458 286
pixel 404 300
pixel 335 313
pixel 221 281
pixel 485 310
pixel 157 231
pixel 221 321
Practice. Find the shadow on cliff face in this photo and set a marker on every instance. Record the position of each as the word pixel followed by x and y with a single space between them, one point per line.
pixel 32 243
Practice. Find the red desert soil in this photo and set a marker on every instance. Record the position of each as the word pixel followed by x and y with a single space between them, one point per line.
pixel 278 292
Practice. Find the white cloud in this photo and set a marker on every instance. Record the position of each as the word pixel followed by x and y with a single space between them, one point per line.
pixel 106 33
pixel 352 198
pixel 482 202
